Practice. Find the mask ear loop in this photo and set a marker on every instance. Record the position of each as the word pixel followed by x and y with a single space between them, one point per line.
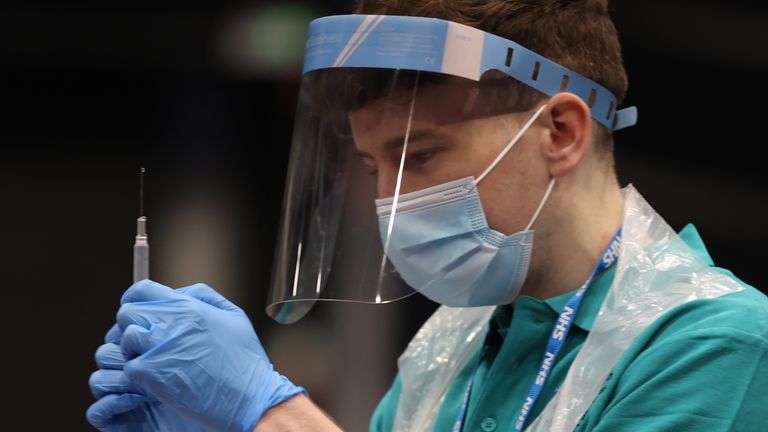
pixel 506 150
pixel 509 146
pixel 541 204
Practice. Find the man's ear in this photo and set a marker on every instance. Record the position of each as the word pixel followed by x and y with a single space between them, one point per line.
pixel 569 133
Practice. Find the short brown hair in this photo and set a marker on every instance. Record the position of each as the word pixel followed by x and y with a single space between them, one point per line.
pixel 577 34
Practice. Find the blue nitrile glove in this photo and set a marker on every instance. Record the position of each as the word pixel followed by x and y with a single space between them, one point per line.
pixel 121 405
pixel 197 353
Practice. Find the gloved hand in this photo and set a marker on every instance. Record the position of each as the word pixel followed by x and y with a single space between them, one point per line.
pixel 121 405
pixel 197 354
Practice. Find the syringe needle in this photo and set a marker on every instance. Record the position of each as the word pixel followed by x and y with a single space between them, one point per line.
pixel 141 246
pixel 141 191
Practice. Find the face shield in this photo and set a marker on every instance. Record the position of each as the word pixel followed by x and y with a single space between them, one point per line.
pixel 399 107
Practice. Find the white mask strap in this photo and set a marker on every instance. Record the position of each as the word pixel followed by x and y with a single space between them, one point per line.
pixel 541 204
pixel 511 143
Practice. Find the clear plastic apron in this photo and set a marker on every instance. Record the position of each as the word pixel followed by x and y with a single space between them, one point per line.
pixel 656 272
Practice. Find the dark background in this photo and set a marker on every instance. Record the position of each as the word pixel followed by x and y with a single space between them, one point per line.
pixel 90 91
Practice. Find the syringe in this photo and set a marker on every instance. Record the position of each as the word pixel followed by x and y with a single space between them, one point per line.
pixel 141 246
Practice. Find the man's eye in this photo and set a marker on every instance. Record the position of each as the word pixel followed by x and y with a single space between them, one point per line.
pixel 422 157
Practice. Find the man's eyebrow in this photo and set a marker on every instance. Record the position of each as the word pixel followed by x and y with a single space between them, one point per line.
pixel 398 141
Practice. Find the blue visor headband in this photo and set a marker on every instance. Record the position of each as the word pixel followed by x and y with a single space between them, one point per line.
pixel 435 45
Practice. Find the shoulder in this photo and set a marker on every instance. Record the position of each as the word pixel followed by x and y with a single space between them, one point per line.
pixel 700 337
pixel 383 418
pixel 741 315
pixel 744 312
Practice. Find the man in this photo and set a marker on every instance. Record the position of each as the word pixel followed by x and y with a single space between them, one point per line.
pixel 471 142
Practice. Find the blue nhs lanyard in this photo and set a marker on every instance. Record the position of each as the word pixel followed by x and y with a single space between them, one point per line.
pixel 556 339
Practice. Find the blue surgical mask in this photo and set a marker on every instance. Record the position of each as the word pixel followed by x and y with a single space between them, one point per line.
pixel 441 245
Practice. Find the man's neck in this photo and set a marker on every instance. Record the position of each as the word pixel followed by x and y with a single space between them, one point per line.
pixel 570 241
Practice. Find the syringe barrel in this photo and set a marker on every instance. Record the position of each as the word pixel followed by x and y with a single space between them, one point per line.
pixel 140 260
pixel 141 251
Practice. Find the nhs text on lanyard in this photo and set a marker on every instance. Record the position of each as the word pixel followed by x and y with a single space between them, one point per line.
pixel 556 339
pixel 563 326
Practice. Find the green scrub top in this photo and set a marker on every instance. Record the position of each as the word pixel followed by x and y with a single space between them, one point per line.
pixel 702 366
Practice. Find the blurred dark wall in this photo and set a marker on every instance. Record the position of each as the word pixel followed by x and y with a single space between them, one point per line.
pixel 91 91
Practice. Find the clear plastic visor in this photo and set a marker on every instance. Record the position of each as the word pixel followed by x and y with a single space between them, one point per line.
pixel 364 134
